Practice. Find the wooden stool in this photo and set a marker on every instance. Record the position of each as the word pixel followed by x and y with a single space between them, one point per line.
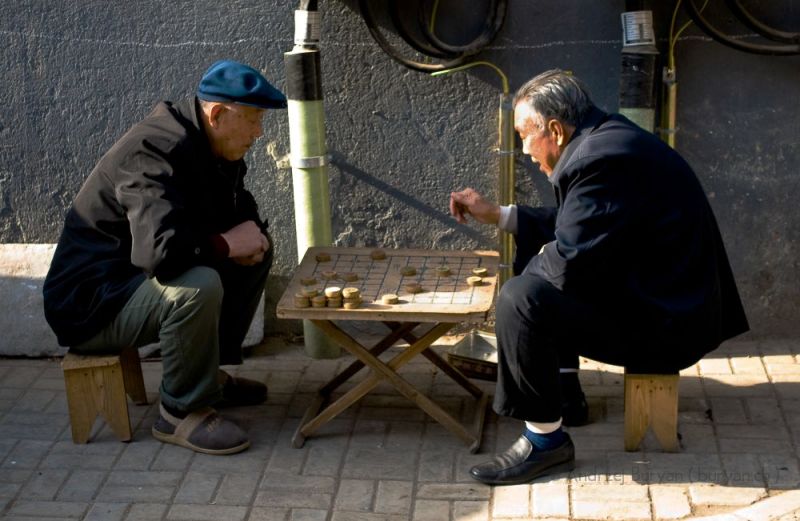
pixel 97 385
pixel 651 399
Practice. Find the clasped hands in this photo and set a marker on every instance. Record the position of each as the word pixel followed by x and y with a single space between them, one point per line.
pixel 246 243
pixel 470 202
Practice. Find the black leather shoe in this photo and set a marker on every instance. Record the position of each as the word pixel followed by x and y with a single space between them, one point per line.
pixel 575 411
pixel 512 467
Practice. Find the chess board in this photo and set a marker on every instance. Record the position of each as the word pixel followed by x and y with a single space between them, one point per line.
pixel 442 299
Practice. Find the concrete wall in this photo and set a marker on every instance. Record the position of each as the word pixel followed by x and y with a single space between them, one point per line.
pixel 76 75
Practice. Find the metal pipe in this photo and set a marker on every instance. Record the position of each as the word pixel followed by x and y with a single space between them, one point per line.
pixel 669 110
pixel 506 182
pixel 312 208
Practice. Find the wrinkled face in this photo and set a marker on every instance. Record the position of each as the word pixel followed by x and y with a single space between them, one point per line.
pixel 234 129
pixel 539 140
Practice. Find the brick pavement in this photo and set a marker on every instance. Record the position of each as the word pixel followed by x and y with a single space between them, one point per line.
pixel 383 460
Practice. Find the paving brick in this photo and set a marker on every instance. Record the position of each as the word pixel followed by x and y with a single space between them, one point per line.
pixel 146 512
pixel 748 365
pixel 731 496
pixel 206 513
pixel 146 478
pixel 138 456
pixel 26 454
pixel 48 508
pixel 780 472
pixel 355 495
pixel 82 485
pixel 237 489
pixel 293 499
pixel 172 457
pixel 764 411
pixel 33 400
pixel 430 510
pixel 372 463
pixel 613 492
pixel 471 510
pixel 757 446
pixel 44 484
pixel 469 491
pixel 550 499
pixel 670 502
pixel 714 366
pixel 277 481
pixel 511 501
pixel 728 410
pixel 394 497
pixel 325 460
pixel 743 470
pixel 9 490
pixel 197 487
pixel 364 516
pixel 268 514
pixel 306 514
pixel 135 493
pixel 106 512
pixel 736 386
pixel 618 510
pixel 436 465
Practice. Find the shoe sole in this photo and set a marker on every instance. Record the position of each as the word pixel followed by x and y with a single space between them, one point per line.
pixel 567 466
pixel 182 442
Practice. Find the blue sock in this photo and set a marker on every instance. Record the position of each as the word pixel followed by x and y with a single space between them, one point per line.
pixel 543 442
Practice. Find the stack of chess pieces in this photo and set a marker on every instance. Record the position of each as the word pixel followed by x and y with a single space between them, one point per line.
pixel 350 298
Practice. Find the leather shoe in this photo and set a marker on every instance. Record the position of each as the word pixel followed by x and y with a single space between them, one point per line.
pixel 520 464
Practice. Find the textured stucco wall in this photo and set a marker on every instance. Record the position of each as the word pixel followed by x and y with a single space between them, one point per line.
pixel 77 74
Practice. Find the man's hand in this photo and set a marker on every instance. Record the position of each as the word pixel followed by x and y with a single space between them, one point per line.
pixel 469 202
pixel 249 261
pixel 246 240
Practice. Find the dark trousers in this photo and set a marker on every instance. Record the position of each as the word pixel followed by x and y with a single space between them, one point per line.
pixel 199 318
pixel 243 288
pixel 540 329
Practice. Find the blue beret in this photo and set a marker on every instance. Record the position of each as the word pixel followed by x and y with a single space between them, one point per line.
pixel 234 82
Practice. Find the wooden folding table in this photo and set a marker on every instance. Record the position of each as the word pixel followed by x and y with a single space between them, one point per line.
pixel 446 299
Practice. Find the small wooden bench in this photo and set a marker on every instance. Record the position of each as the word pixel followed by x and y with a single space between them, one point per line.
pixel 97 385
pixel 651 400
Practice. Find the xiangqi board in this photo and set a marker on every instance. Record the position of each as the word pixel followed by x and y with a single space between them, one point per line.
pixel 430 285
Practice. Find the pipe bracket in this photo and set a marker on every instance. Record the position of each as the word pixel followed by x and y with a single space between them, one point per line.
pixel 309 162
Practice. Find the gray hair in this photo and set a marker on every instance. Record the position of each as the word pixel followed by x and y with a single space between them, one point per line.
pixel 556 94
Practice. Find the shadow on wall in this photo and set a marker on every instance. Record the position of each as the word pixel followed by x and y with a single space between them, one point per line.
pixel 406 200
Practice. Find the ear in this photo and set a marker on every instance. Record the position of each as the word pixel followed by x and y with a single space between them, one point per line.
pixel 214 114
pixel 557 130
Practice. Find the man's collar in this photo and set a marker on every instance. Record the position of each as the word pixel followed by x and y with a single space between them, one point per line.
pixel 590 121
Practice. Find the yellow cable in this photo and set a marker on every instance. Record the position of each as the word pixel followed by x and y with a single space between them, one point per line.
pixel 473 64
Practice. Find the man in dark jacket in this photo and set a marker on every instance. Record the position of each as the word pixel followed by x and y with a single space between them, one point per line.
pixel 628 269
pixel 163 243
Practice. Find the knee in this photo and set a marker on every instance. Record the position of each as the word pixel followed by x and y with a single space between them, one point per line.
pixel 522 297
pixel 201 285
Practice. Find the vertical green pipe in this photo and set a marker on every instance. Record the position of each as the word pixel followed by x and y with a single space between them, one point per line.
pixel 312 208
pixel 506 182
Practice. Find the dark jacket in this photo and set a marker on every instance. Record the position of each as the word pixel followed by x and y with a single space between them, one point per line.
pixel 633 229
pixel 152 207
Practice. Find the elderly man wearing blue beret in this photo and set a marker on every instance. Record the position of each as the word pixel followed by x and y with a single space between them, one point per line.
pixel 163 243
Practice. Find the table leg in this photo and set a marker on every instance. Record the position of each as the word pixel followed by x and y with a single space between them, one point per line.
pixel 388 372
pixel 307 426
pixel 442 364
pixel 397 333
